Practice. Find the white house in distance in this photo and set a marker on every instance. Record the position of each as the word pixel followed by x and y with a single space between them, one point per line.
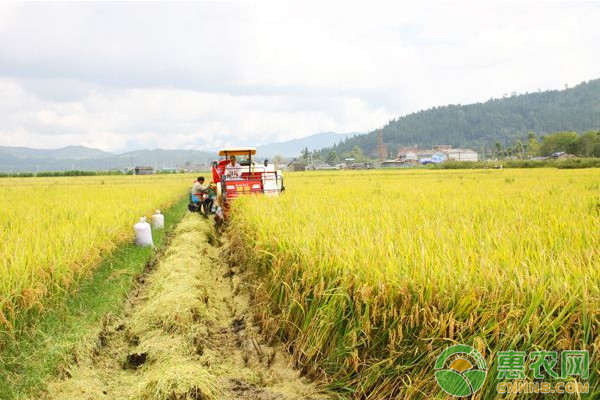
pixel 461 154
pixel 437 154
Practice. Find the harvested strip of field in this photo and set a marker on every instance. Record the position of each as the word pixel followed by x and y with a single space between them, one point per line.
pixel 187 334
pixel 30 359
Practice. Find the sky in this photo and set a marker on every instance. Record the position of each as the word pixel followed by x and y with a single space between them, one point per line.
pixel 123 76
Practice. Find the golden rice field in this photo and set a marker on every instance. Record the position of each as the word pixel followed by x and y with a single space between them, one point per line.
pixel 368 276
pixel 55 230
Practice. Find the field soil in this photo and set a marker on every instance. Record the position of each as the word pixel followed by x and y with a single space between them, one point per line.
pixel 187 333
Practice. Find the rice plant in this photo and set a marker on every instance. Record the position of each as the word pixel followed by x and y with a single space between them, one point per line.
pixel 55 230
pixel 368 276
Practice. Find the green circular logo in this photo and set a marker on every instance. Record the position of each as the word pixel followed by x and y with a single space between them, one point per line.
pixel 460 370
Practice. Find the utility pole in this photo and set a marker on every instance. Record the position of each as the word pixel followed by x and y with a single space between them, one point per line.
pixel 380 145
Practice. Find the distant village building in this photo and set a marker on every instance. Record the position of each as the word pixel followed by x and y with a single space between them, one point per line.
pixel 360 166
pixel 296 166
pixel 432 157
pixel 317 165
pixel 461 155
pixel 561 155
pixel 407 152
pixel 441 147
pixel 408 156
pixel 395 164
pixel 143 170
pixel 353 163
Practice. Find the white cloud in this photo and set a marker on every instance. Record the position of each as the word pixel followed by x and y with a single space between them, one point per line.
pixel 114 119
pixel 200 75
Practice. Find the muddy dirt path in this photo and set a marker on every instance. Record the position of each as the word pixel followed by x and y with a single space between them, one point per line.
pixel 187 333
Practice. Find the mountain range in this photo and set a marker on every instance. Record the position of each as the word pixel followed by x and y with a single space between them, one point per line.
pixel 24 159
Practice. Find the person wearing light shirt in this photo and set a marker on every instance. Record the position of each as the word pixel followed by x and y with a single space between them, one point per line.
pixel 200 195
pixel 233 169
pixel 198 189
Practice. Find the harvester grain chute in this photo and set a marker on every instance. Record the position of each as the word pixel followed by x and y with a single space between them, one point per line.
pixel 235 179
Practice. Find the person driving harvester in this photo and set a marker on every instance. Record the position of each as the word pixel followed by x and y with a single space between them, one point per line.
pixel 233 169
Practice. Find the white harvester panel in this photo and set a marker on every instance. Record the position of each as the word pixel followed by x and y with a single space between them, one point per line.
pixel 272 180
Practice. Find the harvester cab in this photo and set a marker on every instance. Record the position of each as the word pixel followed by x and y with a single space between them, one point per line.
pixel 237 175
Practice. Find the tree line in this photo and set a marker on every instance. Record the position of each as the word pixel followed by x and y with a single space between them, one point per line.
pixel 581 145
pixel 501 121
pixel 531 145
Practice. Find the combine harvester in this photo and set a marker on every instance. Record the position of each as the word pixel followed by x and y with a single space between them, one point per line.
pixel 234 179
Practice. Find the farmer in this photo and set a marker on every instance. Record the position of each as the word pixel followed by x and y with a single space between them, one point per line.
pixel 233 169
pixel 198 190
pixel 200 194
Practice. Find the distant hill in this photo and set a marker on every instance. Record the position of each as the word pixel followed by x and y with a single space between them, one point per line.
pixel 23 159
pixel 69 152
pixel 292 148
pixel 79 153
pixel 162 157
pixel 497 120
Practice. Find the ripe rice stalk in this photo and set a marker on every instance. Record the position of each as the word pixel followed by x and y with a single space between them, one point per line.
pixel 54 231
pixel 373 274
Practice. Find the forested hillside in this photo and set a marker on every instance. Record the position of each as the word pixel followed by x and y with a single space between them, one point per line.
pixel 483 124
